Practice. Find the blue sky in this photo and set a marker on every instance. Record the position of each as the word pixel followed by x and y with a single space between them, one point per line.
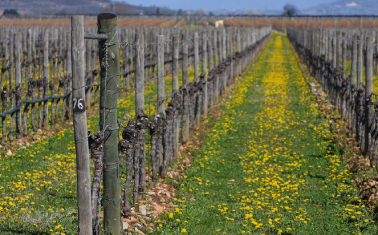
pixel 227 4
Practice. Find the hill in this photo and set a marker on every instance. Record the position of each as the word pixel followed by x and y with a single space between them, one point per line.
pixel 86 7
pixel 344 7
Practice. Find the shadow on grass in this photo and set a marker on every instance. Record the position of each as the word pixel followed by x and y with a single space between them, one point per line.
pixel 21 231
pixel 322 177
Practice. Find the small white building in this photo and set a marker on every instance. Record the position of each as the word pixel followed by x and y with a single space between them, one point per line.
pixel 352 4
pixel 218 23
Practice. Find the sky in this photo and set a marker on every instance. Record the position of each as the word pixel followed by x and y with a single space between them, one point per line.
pixel 227 4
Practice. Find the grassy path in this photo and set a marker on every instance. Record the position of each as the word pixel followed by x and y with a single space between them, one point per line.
pixel 269 164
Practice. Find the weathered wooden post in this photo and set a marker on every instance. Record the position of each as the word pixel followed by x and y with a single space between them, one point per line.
pixel 352 86
pixel 224 46
pixel 196 57
pixel 185 80
pixel 46 77
pixel 109 78
pixel 4 103
pixel 5 51
pixel 175 71
pixel 344 54
pixel 220 53
pixel 80 127
pixel 160 93
pixel 204 73
pixel 215 47
pixel 238 49
pixel 230 43
pixel 88 94
pixel 359 87
pixel 334 52
pixel 139 73
pixel 368 95
pixel 344 59
pixel 139 108
pixel 210 50
pixel 11 95
pixel 17 57
pixel 29 54
pixel 68 75
pixel 160 74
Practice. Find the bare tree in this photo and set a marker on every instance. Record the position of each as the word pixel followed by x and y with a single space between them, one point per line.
pixel 250 11
pixel 290 10
pixel 201 11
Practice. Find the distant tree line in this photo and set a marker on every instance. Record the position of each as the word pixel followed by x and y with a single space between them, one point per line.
pixel 10 13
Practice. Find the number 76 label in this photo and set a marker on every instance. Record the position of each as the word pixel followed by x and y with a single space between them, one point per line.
pixel 78 105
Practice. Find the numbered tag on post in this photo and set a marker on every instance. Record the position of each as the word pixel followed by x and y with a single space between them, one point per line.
pixel 78 105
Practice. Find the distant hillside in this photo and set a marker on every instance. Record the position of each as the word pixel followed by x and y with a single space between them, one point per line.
pixel 345 7
pixel 86 7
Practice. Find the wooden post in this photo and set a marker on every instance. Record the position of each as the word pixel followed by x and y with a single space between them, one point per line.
pixel 4 102
pixel 46 77
pixel 330 44
pixel 88 94
pixel 160 94
pixel 230 55
pixel 210 50
pixel 224 44
pixel 368 96
pixel 139 107
pixel 344 54
pixel 175 71
pixel 109 60
pixel 80 127
pixel 11 93
pixel 359 87
pixel 185 80
pixel 238 46
pixel 160 74
pixel 215 48
pixel 344 58
pixel 29 54
pixel 204 73
pixel 359 61
pixel 17 57
pixel 196 57
pixel 325 42
pixel 353 76
pixel 139 73
pixel 220 53
pixel 334 54
pixel 5 48
pixel 68 75
pixel 338 49
pixel 210 92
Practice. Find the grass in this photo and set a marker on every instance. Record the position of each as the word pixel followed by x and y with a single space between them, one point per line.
pixel 270 164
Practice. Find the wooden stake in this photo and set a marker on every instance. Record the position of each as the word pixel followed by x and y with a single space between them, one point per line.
pixel 175 71
pixel 353 76
pixel 109 60
pixel 369 98
pixel 196 57
pixel 80 127
pixel 17 57
pixel 160 74
pixel 46 76
pixel 185 80
pixel 204 73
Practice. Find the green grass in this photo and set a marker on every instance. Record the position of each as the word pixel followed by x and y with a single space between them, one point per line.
pixel 269 165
